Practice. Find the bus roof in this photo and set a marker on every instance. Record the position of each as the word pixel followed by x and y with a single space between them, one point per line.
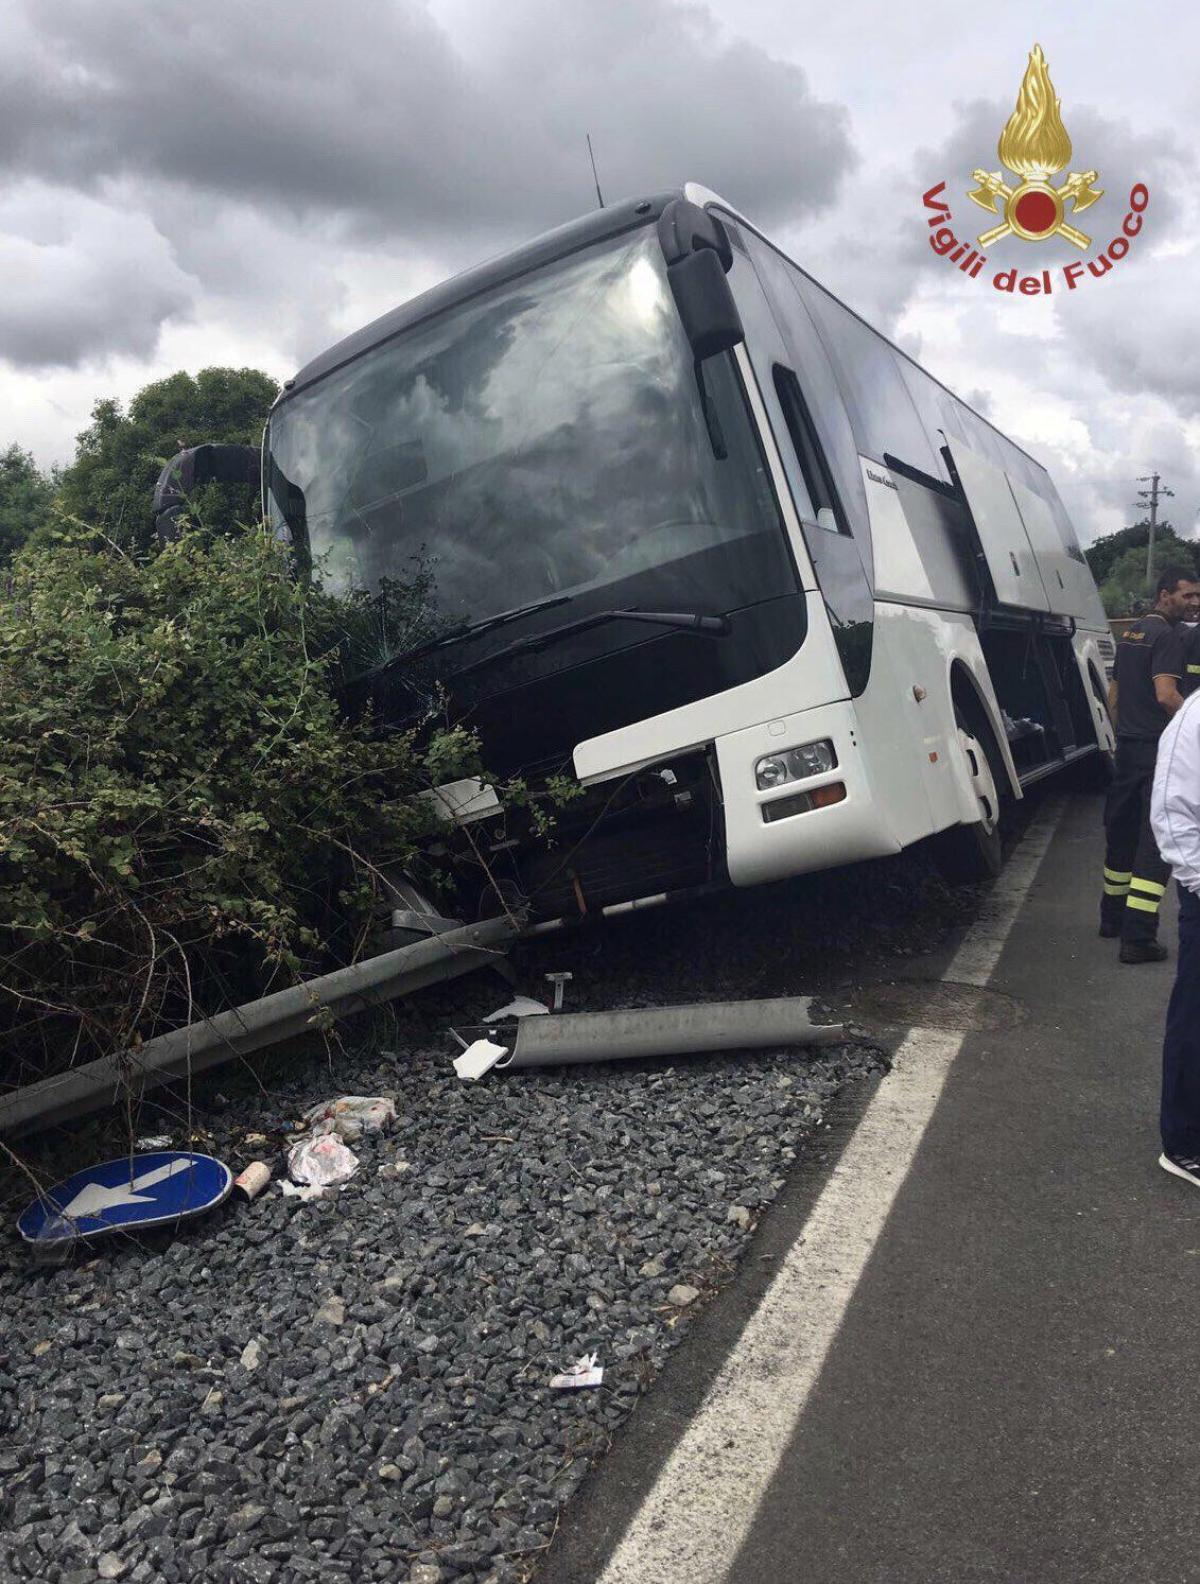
pixel 603 223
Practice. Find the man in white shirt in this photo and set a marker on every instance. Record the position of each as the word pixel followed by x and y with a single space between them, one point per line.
pixel 1175 818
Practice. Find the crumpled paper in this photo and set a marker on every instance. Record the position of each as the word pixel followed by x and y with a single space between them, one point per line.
pixel 584 1372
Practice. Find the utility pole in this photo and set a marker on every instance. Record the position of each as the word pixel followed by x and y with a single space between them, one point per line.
pixel 1151 497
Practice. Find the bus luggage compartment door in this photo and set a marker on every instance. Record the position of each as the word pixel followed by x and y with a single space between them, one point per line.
pixel 1002 537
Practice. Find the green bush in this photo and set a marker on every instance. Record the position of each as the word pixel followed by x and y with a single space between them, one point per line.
pixel 185 816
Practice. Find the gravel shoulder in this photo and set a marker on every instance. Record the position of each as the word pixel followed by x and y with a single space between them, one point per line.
pixel 356 1387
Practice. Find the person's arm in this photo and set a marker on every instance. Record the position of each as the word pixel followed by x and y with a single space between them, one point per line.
pixel 1166 667
pixel 1166 691
pixel 1112 701
pixel 1175 800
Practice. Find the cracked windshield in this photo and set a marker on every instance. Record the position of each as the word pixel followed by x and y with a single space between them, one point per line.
pixel 547 438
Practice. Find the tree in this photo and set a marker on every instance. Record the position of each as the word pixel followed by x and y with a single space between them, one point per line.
pixel 1103 555
pixel 118 457
pixel 26 499
pixel 1125 591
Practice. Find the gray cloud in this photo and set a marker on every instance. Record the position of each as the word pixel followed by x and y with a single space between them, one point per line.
pixel 82 279
pixel 240 153
pixel 1140 328
pixel 366 111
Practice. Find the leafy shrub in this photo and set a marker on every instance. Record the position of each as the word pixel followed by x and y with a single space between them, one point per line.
pixel 186 818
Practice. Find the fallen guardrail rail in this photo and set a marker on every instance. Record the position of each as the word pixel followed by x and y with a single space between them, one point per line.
pixel 667 1031
pixel 625 1034
pixel 184 1052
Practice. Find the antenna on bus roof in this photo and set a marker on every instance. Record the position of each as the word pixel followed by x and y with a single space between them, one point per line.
pixel 595 178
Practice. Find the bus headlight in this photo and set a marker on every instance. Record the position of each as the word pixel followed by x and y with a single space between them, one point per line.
pixel 795 764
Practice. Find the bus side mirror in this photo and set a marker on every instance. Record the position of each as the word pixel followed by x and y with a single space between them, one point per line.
pixel 205 464
pixel 710 318
pixel 699 256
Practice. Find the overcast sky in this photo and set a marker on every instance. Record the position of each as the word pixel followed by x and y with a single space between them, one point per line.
pixel 211 182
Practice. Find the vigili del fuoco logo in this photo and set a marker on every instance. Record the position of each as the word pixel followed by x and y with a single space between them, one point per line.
pixel 1036 148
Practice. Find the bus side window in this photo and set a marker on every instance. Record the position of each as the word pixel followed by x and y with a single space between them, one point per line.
pixel 818 480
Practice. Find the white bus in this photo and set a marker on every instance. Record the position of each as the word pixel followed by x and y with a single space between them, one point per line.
pixel 701 538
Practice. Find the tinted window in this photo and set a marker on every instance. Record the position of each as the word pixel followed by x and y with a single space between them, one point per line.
pixel 817 478
pixel 806 411
pixel 880 405
pixel 822 396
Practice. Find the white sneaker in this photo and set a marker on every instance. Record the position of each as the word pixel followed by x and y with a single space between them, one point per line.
pixel 1189 1170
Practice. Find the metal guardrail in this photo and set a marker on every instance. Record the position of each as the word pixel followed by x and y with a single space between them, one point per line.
pixel 253 1026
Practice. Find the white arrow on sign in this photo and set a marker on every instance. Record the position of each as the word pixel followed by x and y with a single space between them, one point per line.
pixel 98 1197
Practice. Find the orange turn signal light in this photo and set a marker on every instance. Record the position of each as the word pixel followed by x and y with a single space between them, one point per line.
pixel 826 796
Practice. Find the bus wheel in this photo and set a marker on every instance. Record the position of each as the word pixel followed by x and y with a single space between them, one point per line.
pixel 967 853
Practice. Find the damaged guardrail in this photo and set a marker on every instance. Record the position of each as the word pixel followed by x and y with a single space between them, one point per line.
pixel 253 1026
pixel 569 1037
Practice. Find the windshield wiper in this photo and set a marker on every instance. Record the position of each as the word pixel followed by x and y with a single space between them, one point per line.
pixel 463 630
pixel 689 621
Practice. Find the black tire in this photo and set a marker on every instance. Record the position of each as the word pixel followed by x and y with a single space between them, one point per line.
pixel 966 854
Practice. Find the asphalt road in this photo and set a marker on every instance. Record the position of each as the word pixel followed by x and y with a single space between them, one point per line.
pixel 1009 1390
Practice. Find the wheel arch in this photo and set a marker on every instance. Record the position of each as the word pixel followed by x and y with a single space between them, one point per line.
pixel 1101 718
pixel 983 714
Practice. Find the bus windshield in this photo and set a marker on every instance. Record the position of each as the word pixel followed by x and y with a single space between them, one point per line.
pixel 546 438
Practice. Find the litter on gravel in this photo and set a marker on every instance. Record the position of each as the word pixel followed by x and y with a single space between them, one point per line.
pixel 478 1059
pixel 251 1182
pixel 318 1163
pixel 584 1372
pixel 350 1116
pixel 519 1007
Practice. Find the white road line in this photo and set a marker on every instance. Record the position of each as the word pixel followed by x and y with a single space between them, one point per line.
pixel 691 1525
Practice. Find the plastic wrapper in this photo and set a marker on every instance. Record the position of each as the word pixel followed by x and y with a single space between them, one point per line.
pixel 350 1116
pixel 319 1162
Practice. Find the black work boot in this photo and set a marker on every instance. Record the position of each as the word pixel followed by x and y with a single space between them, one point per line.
pixel 1143 951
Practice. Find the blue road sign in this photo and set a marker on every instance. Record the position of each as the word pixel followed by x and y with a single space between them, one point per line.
pixel 135 1191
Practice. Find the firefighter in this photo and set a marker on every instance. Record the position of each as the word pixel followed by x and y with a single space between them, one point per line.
pixel 1144 695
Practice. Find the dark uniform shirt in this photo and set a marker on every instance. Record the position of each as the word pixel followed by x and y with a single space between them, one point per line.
pixel 1148 647
pixel 1190 680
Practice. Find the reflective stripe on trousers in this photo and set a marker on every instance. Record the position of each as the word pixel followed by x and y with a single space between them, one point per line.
pixel 1145 895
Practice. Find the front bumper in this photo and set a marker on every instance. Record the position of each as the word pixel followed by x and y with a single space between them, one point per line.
pixel 757 850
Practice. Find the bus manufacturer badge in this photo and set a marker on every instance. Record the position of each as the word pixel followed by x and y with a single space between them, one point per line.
pixel 1034 146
